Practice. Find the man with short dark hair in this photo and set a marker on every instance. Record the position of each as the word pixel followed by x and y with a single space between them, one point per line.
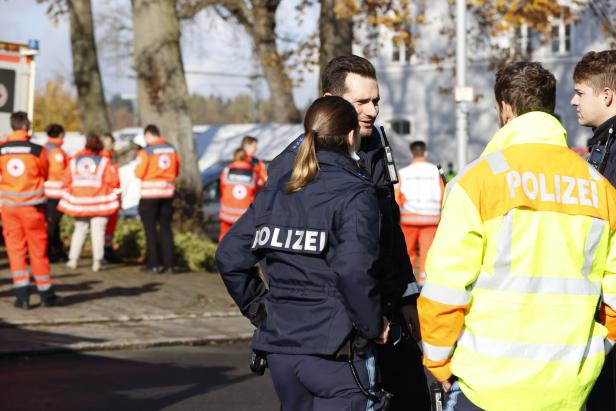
pixel 54 189
pixel 419 195
pixel 595 103
pixel 399 361
pixel 158 165
pixel 23 171
pixel 523 256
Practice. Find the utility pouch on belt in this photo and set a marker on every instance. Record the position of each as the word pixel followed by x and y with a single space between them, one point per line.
pixel 256 313
pixel 390 165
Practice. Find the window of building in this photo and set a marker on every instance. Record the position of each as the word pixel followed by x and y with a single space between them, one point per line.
pixel 399 52
pixel 522 39
pixel 395 56
pixel 561 38
pixel 401 126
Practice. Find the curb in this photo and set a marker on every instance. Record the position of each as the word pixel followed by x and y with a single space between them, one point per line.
pixel 126 344
pixel 119 319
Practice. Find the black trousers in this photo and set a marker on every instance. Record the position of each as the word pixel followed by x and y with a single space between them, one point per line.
pixel 402 374
pixel 156 215
pixel 55 247
pixel 603 395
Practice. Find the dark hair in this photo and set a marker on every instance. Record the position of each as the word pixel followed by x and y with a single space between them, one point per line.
pixel 239 154
pixel 327 124
pixel 94 143
pixel 152 129
pixel 249 140
pixel 333 79
pixel 19 120
pixel 418 148
pixel 54 130
pixel 598 69
pixel 526 86
pixel 109 135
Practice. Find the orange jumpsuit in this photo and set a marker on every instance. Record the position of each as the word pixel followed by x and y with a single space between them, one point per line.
pixel 238 188
pixel 23 171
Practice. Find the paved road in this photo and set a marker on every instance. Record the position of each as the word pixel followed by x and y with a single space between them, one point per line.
pixel 174 378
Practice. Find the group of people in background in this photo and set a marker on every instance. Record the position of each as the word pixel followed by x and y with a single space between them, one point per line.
pixel 39 184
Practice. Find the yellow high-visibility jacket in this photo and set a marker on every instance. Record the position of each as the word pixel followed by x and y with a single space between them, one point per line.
pixel 523 256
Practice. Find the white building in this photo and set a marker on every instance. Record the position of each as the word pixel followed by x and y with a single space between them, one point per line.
pixel 416 98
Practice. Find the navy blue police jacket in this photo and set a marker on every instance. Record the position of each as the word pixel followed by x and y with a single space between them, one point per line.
pixel 320 245
pixel 393 269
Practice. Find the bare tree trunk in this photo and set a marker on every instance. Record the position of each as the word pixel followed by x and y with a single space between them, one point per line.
pixel 335 35
pixel 92 107
pixel 264 36
pixel 162 93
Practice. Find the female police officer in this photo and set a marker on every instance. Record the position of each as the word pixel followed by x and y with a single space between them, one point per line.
pixel 318 231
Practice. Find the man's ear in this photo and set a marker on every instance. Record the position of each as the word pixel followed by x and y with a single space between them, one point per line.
pixel 609 97
pixel 328 94
pixel 507 111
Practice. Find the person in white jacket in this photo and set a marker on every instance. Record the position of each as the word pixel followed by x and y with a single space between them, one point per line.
pixel 419 194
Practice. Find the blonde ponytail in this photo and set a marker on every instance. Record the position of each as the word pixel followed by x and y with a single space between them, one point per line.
pixel 306 164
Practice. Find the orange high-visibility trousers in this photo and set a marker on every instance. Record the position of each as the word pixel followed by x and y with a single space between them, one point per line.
pixel 422 234
pixel 25 231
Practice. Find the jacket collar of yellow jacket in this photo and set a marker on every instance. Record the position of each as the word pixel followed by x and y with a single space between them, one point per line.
pixel 535 127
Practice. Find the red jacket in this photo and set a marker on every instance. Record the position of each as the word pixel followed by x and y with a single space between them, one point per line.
pixel 238 188
pixel 92 183
pixel 23 171
pixel 158 165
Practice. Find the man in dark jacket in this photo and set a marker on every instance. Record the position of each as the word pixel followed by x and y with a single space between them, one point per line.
pixel 354 79
pixel 595 103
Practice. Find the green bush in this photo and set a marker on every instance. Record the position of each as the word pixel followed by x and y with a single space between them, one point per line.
pixel 129 238
pixel 66 229
pixel 195 253
pixel 192 252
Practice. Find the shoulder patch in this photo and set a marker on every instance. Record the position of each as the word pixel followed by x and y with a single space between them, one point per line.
pixel 291 239
pixel 295 145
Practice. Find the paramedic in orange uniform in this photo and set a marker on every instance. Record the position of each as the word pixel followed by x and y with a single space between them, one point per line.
pixel 54 188
pixel 238 188
pixel 158 166
pixel 419 194
pixel 91 196
pixel 23 171
pixel 110 255
pixel 249 144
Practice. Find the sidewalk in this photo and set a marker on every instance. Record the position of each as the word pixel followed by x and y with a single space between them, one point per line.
pixel 120 307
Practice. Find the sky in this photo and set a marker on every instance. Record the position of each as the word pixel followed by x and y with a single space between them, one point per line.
pixel 209 44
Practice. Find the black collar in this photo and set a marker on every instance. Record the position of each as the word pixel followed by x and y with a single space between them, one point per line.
pixel 601 132
pixel 370 143
pixel 329 159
